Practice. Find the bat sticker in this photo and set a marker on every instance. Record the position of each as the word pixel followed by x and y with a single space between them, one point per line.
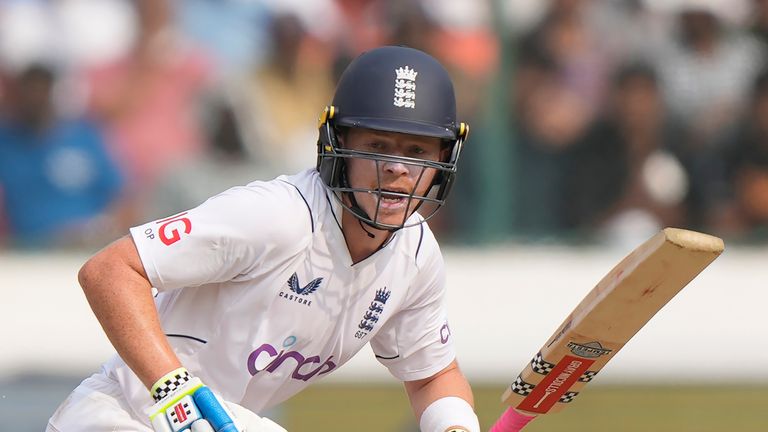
pixel 588 350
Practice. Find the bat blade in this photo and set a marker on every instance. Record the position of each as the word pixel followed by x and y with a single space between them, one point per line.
pixel 607 318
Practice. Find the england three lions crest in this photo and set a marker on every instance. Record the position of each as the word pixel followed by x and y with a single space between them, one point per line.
pixel 371 315
pixel 405 87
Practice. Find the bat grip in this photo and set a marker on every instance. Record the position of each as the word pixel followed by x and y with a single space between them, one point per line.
pixel 511 421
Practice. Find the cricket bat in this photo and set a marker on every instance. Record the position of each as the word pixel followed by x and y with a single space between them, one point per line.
pixel 607 318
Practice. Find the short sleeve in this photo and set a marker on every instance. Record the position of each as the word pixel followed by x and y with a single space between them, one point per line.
pixel 229 235
pixel 415 343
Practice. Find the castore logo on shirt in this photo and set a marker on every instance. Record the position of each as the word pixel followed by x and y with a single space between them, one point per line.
pixel 302 291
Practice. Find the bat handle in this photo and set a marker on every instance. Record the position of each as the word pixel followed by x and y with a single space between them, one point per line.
pixel 511 421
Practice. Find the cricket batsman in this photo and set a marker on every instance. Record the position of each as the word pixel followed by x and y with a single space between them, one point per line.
pixel 267 288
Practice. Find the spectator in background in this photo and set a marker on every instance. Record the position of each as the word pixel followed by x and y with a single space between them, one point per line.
pixel 759 25
pixel 461 36
pixel 742 209
pixel 226 162
pixel 706 74
pixel 558 90
pixel 147 101
pixel 411 25
pixel 624 180
pixel 582 62
pixel 57 181
pixel 359 25
pixel 3 114
pixel 232 32
pixel 629 30
pixel 3 92
pixel 550 118
pixel 706 82
pixel 278 106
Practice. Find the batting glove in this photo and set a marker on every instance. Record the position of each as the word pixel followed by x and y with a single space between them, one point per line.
pixel 184 403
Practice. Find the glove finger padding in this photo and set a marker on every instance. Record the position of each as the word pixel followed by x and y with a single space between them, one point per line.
pixel 251 421
pixel 201 426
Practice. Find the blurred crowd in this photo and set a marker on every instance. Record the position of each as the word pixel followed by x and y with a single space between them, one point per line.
pixel 631 116
pixel 592 120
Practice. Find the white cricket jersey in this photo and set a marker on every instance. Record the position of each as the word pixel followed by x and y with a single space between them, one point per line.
pixel 259 296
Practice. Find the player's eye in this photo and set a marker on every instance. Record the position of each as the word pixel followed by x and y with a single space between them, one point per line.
pixel 424 152
pixel 377 146
pixel 417 150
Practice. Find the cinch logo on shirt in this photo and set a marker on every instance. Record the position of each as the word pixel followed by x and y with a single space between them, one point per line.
pixel 303 369
pixel 445 333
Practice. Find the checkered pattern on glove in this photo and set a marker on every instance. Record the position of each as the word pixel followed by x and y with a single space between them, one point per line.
pixel 169 383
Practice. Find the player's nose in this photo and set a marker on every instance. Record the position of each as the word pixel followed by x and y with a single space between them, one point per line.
pixel 396 168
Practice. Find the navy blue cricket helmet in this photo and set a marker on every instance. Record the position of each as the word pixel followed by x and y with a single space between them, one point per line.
pixel 392 89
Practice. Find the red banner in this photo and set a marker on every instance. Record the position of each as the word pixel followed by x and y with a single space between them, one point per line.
pixel 555 384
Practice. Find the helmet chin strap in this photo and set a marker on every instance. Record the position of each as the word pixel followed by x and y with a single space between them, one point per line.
pixel 370 234
pixel 362 215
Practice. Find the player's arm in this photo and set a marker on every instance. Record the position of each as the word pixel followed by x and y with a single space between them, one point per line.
pixel 443 402
pixel 120 295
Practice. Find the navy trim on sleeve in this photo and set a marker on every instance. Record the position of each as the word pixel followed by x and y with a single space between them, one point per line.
pixel 387 358
pixel 335 218
pixel 311 217
pixel 421 237
pixel 187 337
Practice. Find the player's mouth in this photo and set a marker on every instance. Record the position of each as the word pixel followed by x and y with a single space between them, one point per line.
pixel 393 199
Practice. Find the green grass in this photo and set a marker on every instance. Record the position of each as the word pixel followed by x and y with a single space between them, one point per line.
pixel 685 408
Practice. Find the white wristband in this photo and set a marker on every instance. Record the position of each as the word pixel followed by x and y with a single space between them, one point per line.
pixel 449 414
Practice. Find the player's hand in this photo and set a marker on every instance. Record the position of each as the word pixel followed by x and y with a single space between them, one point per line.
pixel 187 404
pixel 246 418
pixel 252 422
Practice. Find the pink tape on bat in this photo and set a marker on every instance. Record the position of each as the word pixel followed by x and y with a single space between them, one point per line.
pixel 511 421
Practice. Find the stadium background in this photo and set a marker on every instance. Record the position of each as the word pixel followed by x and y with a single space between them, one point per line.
pixel 594 123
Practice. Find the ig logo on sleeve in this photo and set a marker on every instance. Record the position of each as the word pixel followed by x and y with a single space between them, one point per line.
pixel 168 232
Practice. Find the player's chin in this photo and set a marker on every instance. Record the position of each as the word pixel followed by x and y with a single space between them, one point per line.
pixel 393 213
pixel 394 220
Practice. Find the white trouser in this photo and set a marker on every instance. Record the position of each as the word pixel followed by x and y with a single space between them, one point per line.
pixel 96 405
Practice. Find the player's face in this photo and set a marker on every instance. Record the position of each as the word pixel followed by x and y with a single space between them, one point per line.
pixel 395 176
